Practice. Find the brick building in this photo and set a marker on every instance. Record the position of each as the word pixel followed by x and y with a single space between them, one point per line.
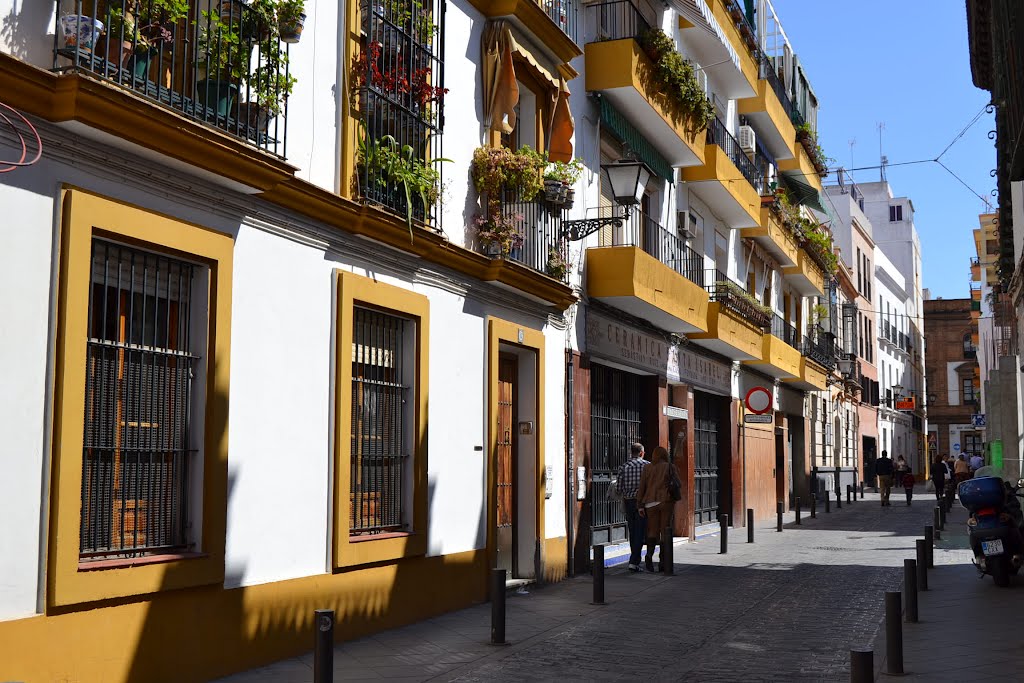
pixel 952 376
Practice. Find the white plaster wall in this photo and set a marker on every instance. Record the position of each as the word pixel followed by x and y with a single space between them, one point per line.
pixel 25 268
pixel 27 30
pixel 554 431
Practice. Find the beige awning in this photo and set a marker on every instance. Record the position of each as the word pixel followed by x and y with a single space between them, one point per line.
pixel 501 90
pixel 526 55
pixel 562 127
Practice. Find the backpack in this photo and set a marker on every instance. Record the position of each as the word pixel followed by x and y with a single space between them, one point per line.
pixel 675 487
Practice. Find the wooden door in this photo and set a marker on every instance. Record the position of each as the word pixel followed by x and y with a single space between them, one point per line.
pixel 505 490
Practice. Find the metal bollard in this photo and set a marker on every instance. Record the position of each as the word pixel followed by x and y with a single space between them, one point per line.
pixel 910 591
pixel 937 523
pixel 814 507
pixel 854 491
pixel 667 550
pixel 498 606
pixel 323 646
pixel 750 525
pixel 893 633
pixel 862 666
pixel 922 565
pixel 929 546
pixel 849 494
pixel 942 514
pixel 723 525
pixel 862 490
pixel 598 575
pixel 778 515
pixel 828 504
pixel 797 502
pixel 839 500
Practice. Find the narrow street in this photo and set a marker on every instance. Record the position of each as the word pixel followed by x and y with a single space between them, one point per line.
pixel 788 607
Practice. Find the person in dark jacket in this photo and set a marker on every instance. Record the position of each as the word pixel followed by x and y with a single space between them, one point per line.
pixel 939 478
pixel 883 468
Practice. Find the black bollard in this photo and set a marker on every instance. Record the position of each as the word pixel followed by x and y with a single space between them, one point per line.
pixel 828 504
pixel 854 491
pixel 667 549
pixel 862 666
pixel 942 514
pixel 893 633
pixel 497 607
pixel 922 565
pixel 849 494
pixel 797 508
pixel 839 500
pixel 929 546
pixel 723 525
pixel 937 523
pixel 323 646
pixel 910 590
pixel 862 490
pixel 598 575
pixel 778 515
pixel 814 507
pixel 750 525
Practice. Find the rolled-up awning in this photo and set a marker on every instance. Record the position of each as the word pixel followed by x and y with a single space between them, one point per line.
pixel 802 190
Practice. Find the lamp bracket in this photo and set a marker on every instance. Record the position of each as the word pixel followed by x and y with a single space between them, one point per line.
pixel 580 229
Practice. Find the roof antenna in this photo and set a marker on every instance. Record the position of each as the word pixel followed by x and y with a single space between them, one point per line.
pixel 884 159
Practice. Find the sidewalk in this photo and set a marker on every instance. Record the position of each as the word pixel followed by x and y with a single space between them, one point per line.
pixel 968 628
pixel 786 608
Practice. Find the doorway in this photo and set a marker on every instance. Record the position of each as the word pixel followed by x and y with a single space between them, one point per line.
pixel 711 494
pixel 507 463
pixel 869 451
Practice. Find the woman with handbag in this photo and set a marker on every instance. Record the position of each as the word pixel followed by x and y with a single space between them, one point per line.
pixel 659 485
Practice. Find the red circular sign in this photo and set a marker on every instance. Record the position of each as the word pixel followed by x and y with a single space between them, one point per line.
pixel 759 400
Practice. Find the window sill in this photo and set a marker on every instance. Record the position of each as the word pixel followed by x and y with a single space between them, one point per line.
pixel 137 561
pixel 379 537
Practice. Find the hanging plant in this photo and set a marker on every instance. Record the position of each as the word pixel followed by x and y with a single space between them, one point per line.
pixel 498 233
pixel 497 169
pixel 678 80
pixel 557 265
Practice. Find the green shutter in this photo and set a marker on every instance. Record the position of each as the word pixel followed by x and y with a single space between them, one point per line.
pixel 619 126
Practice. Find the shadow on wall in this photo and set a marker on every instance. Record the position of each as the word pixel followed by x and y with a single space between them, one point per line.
pixel 25 32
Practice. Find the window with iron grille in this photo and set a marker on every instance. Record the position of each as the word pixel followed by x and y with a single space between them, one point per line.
pixel 379 422
pixel 140 365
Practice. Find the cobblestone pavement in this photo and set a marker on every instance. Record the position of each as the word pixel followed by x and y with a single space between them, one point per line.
pixel 786 608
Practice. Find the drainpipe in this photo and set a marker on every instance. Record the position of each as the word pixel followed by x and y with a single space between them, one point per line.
pixel 570 487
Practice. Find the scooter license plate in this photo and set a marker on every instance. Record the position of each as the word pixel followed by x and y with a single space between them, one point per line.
pixel 992 547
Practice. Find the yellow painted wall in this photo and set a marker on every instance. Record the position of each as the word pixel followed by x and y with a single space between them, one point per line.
pixel 719 167
pixel 728 327
pixel 768 102
pixel 779 355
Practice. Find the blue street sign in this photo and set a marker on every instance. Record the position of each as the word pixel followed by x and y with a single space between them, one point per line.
pixel 978 420
pixel 956 447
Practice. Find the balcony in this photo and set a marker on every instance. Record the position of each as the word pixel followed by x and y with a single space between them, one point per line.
pixel 648 271
pixel 775 238
pixel 780 355
pixel 820 347
pixel 806 276
pixel 554 23
pixel 975 270
pixel 802 164
pixel 227 70
pixel 811 377
pixel 728 180
pixel 618 68
pixel 772 111
pixel 736 321
pixel 539 244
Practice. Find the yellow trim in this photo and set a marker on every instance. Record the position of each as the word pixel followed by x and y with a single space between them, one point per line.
pixel 502 331
pixel 355 289
pixel 536 21
pixel 812 376
pixel 84 215
pixel 779 355
pixel 747 63
pixel 613 64
pixel 556 559
pixel 774 237
pixel 631 272
pixel 767 101
pixel 718 167
pixel 802 162
pixel 201 634
pixel 730 328
pixel 807 269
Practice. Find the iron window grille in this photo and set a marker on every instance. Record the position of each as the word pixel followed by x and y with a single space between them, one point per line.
pixel 399 77
pixel 138 404
pixel 379 459
pixel 615 424
pixel 169 61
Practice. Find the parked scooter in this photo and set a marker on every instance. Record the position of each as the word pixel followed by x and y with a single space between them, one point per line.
pixel 995 525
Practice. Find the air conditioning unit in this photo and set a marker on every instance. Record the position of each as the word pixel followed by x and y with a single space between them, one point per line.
pixel 684 227
pixel 747 140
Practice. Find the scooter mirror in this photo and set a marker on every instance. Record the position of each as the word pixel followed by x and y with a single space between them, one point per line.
pixel 1020 483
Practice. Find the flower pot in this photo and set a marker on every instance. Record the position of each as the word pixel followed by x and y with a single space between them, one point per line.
pixel 231 11
pixel 492 249
pixel 291 29
pixel 117 52
pixel 80 32
pixel 138 63
pixel 570 198
pixel 256 115
pixel 554 191
pixel 218 95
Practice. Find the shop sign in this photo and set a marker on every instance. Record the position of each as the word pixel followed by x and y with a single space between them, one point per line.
pixel 628 345
pixel 909 403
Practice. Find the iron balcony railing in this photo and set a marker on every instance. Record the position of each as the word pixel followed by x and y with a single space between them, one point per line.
pixel 399 75
pixel 770 74
pixel 226 67
pixel 615 20
pixel 640 230
pixel 820 346
pixel 565 13
pixel 719 135
pixel 785 331
pixel 540 245
pixel 734 297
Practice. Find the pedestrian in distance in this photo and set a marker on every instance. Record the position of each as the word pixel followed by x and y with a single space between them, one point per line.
pixel 901 468
pixel 627 483
pixel 883 468
pixel 976 462
pixel 939 479
pixel 962 470
pixel 653 499
pixel 908 484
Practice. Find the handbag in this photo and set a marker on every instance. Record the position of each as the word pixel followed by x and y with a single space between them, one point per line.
pixel 674 485
pixel 613 491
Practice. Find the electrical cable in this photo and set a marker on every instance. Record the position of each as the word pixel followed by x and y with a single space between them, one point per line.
pixel 7 166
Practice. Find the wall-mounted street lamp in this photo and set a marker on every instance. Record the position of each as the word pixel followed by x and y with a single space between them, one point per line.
pixel 845 365
pixel 627 179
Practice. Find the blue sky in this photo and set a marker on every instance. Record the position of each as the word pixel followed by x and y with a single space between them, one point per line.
pixel 907 64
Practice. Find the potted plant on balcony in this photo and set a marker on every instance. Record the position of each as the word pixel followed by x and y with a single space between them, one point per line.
pixel 270 84
pixel 291 18
pixel 221 63
pixel 498 233
pixel 559 180
pixel 499 169
pixel 138 30
pixel 557 265
pixel 656 43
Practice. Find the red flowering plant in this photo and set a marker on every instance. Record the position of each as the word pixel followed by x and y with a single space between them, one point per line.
pixel 398 82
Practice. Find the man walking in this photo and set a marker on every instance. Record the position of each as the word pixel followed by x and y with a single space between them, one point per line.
pixel 977 462
pixel 627 484
pixel 883 468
